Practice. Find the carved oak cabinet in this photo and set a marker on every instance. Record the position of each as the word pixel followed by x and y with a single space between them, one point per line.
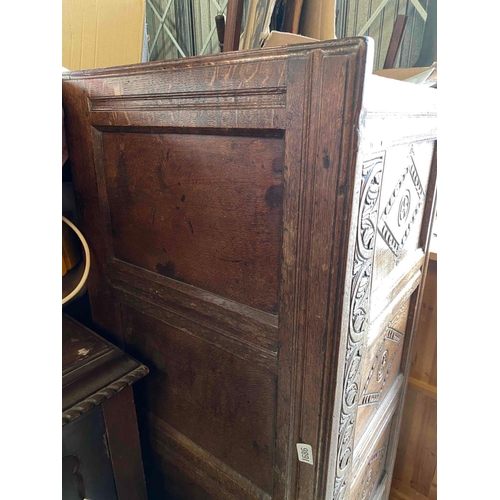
pixel 259 227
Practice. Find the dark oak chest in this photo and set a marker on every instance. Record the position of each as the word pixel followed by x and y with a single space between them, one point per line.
pixel 259 226
pixel 100 439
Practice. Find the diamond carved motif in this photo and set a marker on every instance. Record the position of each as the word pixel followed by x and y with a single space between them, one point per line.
pixel 400 213
pixel 381 367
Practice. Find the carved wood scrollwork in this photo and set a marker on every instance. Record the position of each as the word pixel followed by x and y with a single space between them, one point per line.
pixel 359 309
pixel 73 484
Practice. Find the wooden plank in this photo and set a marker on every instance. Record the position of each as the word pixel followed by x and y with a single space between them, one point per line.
pixel 317 19
pixel 415 468
pixel 423 388
pixel 401 491
pixel 124 446
pixel 374 16
pixel 245 417
pixel 415 465
pixel 232 29
pixel 433 488
pixel 395 42
pixel 424 358
pixel 293 10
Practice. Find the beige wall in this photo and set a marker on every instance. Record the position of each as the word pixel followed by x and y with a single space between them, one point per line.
pixel 100 33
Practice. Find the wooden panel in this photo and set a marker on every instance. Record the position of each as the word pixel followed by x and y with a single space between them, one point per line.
pixel 415 470
pixel 400 491
pixel 424 357
pixel 374 470
pixel 205 387
pixel 382 366
pixel 406 176
pixel 387 417
pixel 243 371
pixel 417 449
pixel 134 285
pixel 229 340
pixel 195 471
pixel 124 447
pixel 398 247
pixel 317 19
pixel 388 271
pixel 202 209
pixel 233 25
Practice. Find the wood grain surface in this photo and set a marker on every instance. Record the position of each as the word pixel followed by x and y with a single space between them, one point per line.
pixel 259 223
pixel 415 470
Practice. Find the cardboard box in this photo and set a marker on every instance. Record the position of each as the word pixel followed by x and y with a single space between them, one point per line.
pixel 102 33
pixel 421 76
pixel 317 19
pixel 278 38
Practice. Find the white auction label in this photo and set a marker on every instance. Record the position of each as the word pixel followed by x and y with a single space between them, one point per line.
pixel 305 453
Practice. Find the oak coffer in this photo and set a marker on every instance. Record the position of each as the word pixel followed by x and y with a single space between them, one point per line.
pixel 259 227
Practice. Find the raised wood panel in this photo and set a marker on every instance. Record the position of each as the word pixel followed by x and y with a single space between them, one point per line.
pixel 195 385
pixel 387 339
pixel 382 365
pixel 400 222
pixel 374 470
pixel 384 285
pixel 383 488
pixel 387 414
pixel 406 176
pixel 202 209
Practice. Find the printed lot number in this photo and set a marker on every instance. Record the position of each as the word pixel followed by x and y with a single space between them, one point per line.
pixel 304 452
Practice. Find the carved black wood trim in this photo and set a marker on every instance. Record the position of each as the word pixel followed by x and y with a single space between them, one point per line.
pixel 104 394
pixel 78 488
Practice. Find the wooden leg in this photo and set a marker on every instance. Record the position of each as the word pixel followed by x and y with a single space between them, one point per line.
pixel 395 41
pixel 125 450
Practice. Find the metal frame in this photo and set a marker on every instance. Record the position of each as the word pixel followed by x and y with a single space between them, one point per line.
pixel 378 10
pixel 221 7
pixel 376 18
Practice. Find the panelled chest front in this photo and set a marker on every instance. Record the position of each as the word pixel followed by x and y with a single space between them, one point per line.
pixel 259 226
